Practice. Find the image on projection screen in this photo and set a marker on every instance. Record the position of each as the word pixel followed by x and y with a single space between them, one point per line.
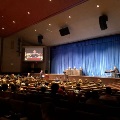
pixel 33 54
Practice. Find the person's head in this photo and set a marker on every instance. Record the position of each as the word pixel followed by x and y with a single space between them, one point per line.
pixel 4 86
pixel 115 67
pixel 34 51
pixel 63 88
pixel 43 89
pixel 54 88
pixel 13 87
pixel 28 74
pixel 95 94
pixel 99 81
pixel 108 90
pixel 64 73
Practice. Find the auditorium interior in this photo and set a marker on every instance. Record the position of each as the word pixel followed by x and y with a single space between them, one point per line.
pixel 60 60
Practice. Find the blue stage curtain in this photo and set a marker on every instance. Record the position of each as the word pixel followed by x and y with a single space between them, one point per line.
pixel 94 56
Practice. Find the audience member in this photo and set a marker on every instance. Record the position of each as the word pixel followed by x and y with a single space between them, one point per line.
pixel 78 86
pixel 108 99
pixel 54 88
pixel 61 90
pixel 108 95
pixel 94 99
pixel 4 87
pixel 43 89
pixel 13 88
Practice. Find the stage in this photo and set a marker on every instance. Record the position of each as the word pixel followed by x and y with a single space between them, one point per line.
pixel 105 80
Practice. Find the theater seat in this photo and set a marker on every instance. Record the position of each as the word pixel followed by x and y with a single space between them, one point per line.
pixel 33 111
pixel 16 110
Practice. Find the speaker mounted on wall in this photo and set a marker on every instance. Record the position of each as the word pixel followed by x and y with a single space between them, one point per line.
pixel 64 31
pixel 40 37
pixel 102 22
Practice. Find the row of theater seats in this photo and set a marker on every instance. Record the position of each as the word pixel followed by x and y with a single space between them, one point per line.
pixel 19 110
pixel 16 106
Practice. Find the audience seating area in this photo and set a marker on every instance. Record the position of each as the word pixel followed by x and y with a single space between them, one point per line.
pixel 72 100
pixel 14 106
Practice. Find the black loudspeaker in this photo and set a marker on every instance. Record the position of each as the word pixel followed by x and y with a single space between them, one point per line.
pixel 64 31
pixel 40 37
pixel 102 22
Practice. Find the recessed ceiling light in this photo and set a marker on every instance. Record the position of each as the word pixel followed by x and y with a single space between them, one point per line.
pixel 50 0
pixel 48 30
pixel 35 30
pixel 28 13
pixel 3 28
pixel 69 16
pixel 2 16
pixel 98 6
pixel 49 24
pixel 13 21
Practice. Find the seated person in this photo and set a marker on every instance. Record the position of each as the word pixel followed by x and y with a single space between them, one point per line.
pixel 94 99
pixel 86 82
pixel 108 96
pixel 54 88
pixel 80 81
pixel 61 90
pixel 99 82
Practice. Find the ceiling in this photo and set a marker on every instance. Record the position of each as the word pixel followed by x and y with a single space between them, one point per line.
pixel 17 15
pixel 46 18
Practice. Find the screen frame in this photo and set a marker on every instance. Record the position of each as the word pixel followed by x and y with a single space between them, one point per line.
pixel 24 47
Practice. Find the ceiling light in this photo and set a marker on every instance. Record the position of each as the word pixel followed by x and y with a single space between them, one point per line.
pixel 35 30
pixel 2 16
pixel 13 21
pixel 28 13
pixel 50 0
pixel 48 30
pixel 3 28
pixel 49 24
pixel 98 6
pixel 69 16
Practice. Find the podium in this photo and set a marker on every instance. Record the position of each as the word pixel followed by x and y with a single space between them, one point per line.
pixel 112 74
pixel 108 73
